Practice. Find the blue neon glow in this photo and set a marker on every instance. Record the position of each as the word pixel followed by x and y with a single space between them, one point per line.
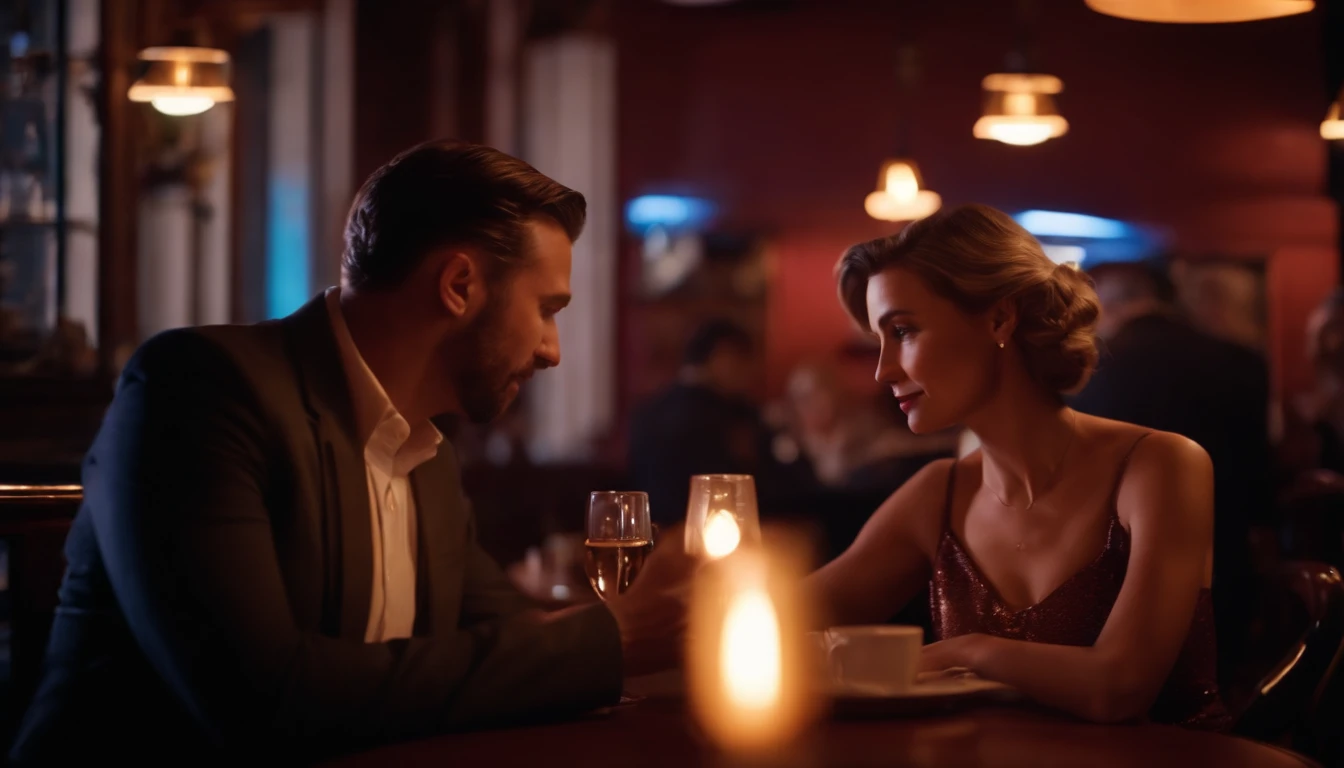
pixel 1114 251
pixel 287 246
pixel 18 45
pixel 1059 224
pixel 667 211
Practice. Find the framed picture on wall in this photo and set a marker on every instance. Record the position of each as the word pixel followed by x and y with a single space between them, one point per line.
pixel 1224 296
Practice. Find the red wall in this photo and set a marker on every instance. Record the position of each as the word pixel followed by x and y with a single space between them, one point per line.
pixel 782 116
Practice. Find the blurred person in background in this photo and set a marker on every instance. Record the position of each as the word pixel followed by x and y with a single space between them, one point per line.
pixel 704 423
pixel 1323 407
pixel 1311 451
pixel 858 446
pixel 1158 371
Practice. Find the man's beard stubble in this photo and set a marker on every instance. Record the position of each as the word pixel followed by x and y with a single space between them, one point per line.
pixel 480 373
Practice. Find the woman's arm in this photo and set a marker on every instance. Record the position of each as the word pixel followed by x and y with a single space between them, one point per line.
pixel 888 562
pixel 1167 498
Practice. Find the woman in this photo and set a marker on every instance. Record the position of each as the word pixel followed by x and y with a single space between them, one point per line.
pixel 1070 556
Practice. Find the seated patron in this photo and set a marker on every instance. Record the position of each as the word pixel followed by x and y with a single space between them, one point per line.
pixel 1069 556
pixel 703 423
pixel 275 559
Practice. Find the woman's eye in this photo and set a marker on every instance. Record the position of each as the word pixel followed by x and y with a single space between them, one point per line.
pixel 901 332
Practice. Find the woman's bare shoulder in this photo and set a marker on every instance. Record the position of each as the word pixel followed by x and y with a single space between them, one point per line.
pixel 915 509
pixel 1137 446
pixel 1164 458
pixel 1150 465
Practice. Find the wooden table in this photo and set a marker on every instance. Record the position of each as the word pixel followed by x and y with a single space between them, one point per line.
pixel 657 732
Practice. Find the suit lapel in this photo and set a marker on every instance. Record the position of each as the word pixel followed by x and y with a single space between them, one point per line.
pixel 345 466
pixel 345 508
pixel 434 493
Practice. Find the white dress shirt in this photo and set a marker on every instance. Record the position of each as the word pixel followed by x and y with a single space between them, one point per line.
pixel 392 448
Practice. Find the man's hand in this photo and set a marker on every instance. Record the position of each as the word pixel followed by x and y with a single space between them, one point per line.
pixel 652 612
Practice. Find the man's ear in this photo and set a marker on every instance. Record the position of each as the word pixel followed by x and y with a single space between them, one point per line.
pixel 459 280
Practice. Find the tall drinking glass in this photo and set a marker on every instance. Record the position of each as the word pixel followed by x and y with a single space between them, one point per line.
pixel 721 514
pixel 620 537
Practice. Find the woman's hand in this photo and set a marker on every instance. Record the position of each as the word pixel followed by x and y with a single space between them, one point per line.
pixel 960 651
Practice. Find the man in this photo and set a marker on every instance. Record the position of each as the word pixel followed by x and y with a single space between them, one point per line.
pixel 1162 373
pixel 275 559
pixel 705 423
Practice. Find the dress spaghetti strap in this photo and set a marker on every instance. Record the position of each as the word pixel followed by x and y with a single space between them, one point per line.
pixel 1120 473
pixel 947 502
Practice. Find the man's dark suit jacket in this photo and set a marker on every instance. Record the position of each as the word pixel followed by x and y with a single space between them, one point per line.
pixel 1160 372
pixel 219 577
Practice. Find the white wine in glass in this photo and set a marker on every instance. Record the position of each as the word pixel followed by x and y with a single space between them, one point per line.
pixel 620 537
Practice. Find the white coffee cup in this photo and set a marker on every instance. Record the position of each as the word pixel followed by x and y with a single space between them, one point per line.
pixel 877 657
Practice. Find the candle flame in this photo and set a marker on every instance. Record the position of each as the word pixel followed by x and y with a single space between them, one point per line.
pixel 749 654
pixel 722 534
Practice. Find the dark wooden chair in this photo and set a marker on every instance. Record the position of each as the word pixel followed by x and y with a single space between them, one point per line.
pixel 34 520
pixel 1298 703
pixel 1311 515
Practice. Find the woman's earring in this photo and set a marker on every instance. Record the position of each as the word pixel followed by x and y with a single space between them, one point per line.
pixel 1000 345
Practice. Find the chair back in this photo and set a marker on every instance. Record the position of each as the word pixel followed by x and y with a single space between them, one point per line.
pixel 1298 702
pixel 1312 513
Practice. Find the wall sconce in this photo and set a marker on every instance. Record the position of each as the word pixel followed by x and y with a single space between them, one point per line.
pixel 1020 109
pixel 183 80
pixel 1200 11
pixel 900 195
pixel 1332 127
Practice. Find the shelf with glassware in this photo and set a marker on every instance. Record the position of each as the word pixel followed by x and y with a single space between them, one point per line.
pixel 43 89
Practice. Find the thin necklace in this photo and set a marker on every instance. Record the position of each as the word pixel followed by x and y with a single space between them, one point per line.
pixel 1073 432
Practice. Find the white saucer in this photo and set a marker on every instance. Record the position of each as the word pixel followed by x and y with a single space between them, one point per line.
pixel 941 686
pixel 931 694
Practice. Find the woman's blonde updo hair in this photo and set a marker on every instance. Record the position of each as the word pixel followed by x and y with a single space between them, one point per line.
pixel 975 256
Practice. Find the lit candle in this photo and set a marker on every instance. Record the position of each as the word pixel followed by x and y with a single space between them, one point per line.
pixel 721 515
pixel 749 679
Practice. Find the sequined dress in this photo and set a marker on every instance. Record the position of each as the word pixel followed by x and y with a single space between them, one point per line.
pixel 961 602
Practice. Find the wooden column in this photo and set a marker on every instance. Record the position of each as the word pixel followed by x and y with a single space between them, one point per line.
pixel 1333 34
pixel 118 185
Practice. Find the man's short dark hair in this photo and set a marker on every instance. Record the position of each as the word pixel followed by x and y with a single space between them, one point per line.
pixel 450 193
pixel 709 337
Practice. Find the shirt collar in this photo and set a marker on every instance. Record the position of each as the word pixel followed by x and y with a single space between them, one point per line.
pixel 389 440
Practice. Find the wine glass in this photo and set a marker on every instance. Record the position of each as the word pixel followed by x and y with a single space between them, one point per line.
pixel 620 537
pixel 721 514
